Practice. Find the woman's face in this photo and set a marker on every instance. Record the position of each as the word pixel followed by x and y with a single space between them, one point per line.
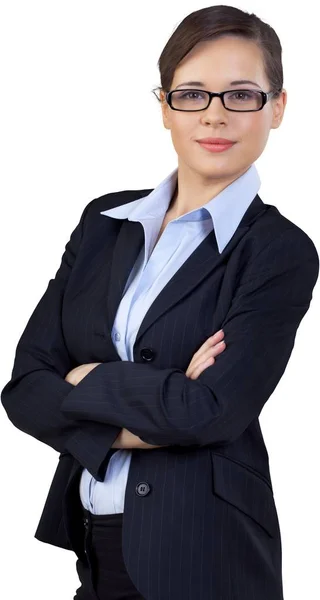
pixel 216 63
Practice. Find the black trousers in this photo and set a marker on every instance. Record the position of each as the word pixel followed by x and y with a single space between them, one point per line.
pixel 104 576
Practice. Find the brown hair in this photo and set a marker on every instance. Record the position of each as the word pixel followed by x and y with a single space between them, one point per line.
pixel 214 22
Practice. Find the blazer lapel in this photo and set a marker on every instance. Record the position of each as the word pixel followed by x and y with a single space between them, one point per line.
pixel 203 261
pixel 128 244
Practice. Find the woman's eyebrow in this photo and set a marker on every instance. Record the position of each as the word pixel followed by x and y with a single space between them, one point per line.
pixel 236 82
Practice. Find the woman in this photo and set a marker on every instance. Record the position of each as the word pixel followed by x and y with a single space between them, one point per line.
pixel 167 327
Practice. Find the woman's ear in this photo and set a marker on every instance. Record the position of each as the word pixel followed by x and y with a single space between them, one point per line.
pixel 165 110
pixel 279 105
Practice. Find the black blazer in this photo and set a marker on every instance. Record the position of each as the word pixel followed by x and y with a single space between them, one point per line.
pixel 203 524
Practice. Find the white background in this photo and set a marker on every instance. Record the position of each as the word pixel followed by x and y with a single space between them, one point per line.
pixel 78 120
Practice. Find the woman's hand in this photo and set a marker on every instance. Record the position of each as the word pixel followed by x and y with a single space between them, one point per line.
pixel 75 375
pixel 205 356
pixel 128 440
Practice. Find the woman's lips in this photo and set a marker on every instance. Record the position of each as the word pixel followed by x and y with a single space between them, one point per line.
pixel 216 147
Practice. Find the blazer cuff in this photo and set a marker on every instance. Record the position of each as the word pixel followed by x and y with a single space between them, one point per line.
pixel 90 445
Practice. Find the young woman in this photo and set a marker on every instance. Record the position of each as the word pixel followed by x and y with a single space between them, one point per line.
pixel 170 321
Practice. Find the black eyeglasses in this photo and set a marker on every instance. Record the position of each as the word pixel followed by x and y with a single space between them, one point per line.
pixel 191 100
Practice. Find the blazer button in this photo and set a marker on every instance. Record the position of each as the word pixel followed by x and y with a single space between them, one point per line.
pixel 147 354
pixel 143 488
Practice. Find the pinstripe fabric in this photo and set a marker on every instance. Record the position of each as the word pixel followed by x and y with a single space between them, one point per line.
pixel 200 518
pixel 152 271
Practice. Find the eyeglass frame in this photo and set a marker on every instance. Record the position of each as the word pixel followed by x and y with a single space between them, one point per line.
pixel 266 96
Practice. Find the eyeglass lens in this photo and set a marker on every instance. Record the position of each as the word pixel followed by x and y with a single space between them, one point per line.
pixel 198 100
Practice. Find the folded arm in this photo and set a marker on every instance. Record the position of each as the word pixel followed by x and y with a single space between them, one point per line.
pixel 163 406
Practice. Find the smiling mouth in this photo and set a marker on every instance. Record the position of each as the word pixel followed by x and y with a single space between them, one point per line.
pixel 213 148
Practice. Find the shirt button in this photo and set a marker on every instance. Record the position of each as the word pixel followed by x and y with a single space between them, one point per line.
pixel 117 337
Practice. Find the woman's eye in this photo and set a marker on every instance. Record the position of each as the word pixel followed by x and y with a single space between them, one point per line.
pixel 189 94
pixel 241 96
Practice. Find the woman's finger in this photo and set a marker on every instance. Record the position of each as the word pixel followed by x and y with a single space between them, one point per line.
pixel 195 372
pixel 205 356
pixel 212 340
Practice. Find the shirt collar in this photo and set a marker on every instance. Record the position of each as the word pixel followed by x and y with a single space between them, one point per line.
pixel 226 209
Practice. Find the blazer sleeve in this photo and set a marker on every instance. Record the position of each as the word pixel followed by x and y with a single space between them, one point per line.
pixel 164 406
pixel 33 396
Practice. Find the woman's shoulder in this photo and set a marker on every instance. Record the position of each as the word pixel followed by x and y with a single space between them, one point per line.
pixel 274 224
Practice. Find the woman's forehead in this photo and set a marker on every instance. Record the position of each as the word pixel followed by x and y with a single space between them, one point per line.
pixel 205 67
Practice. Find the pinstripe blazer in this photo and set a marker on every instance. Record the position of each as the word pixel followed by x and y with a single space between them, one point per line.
pixel 200 519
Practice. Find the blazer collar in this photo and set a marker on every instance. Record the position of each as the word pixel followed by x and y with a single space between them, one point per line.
pixel 226 209
pixel 127 242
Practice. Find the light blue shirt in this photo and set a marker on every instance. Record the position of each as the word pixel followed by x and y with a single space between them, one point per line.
pixel 154 267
